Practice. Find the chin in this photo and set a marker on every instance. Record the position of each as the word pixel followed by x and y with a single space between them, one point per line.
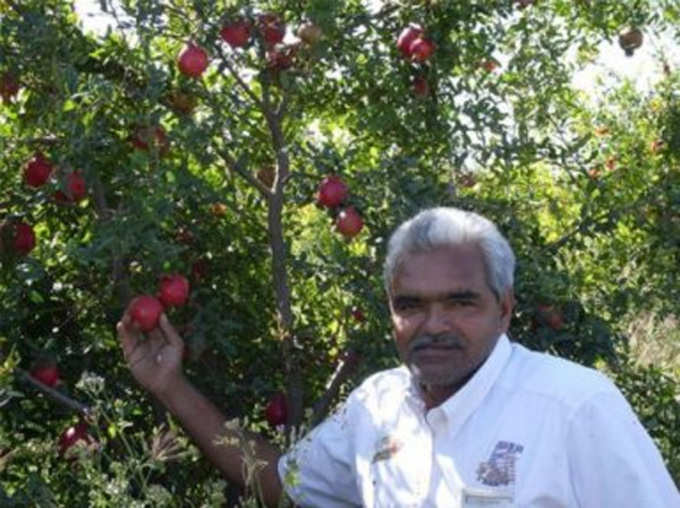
pixel 435 377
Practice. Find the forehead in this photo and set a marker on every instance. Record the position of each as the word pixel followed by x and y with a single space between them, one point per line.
pixel 441 270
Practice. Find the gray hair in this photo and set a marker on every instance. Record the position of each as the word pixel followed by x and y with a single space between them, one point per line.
pixel 447 226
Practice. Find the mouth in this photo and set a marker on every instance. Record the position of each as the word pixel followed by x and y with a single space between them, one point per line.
pixel 434 347
pixel 432 352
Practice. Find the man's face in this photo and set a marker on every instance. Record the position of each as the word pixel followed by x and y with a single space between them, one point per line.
pixel 446 319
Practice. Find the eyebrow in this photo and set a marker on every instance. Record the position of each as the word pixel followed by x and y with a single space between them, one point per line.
pixel 463 295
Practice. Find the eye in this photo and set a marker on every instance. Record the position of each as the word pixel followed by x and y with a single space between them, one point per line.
pixel 406 304
pixel 459 302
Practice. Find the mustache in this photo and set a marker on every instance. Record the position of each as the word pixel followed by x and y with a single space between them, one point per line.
pixel 444 340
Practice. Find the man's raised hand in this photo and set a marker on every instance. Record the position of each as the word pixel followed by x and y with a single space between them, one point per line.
pixel 155 358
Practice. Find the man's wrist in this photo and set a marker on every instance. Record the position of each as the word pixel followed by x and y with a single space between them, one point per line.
pixel 173 391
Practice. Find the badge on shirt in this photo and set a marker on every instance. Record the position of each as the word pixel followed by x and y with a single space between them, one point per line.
pixel 481 498
pixel 386 448
pixel 499 470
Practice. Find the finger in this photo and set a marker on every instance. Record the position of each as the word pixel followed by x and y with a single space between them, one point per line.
pixel 170 333
pixel 133 324
pixel 127 338
pixel 156 336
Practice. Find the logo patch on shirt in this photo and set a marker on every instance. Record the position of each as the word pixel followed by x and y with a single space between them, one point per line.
pixel 500 468
pixel 387 448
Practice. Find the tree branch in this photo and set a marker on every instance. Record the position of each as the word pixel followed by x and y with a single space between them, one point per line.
pixel 238 168
pixel 118 275
pixel 54 394
pixel 239 79
pixel 590 221
pixel 344 370
pixel 279 271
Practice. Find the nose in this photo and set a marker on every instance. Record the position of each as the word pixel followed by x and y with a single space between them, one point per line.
pixel 437 320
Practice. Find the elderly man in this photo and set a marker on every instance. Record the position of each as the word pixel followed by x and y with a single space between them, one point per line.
pixel 470 419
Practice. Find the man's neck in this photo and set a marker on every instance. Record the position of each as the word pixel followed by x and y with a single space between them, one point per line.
pixel 436 395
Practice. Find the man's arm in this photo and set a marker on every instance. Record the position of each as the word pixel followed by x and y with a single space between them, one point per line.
pixel 612 459
pixel 156 363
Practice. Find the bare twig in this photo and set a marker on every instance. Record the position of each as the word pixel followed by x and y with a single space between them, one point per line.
pixel 47 140
pixel 238 168
pixel 248 91
pixel 119 275
pixel 283 106
pixel 345 369
pixel 590 221
pixel 55 394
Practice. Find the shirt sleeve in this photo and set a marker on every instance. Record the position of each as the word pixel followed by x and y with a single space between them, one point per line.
pixel 612 459
pixel 319 470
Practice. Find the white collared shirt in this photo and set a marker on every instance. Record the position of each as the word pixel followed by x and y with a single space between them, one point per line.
pixel 528 429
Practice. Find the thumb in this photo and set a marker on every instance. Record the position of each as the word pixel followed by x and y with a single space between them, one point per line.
pixel 128 337
pixel 170 333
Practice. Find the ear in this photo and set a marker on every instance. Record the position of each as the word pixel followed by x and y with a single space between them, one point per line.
pixel 506 304
pixel 393 316
pixel 390 300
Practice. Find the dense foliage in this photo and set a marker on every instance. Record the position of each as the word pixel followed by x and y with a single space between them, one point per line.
pixel 140 167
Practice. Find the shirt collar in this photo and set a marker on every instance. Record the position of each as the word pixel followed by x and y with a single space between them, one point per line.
pixel 468 398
